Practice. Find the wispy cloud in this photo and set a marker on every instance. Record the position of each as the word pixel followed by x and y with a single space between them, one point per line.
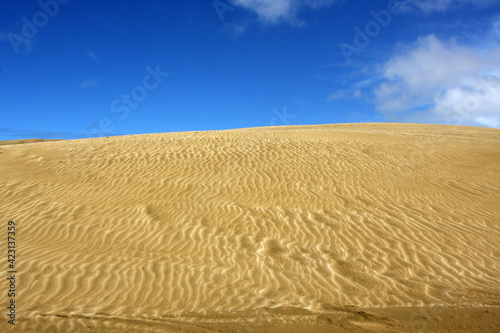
pixel 431 6
pixel 92 55
pixel 355 91
pixel 87 84
pixel 343 94
pixel 16 133
pixel 235 29
pixel 277 11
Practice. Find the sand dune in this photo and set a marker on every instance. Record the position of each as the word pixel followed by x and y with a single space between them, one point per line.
pixel 17 142
pixel 356 227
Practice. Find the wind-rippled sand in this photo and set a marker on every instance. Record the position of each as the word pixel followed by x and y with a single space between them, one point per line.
pixel 355 227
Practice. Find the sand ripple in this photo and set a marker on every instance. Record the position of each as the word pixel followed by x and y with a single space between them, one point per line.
pixel 167 228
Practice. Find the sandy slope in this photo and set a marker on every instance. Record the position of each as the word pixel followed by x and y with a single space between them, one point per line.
pixel 337 227
pixel 23 141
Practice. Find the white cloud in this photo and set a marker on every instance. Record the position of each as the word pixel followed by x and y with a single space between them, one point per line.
pixel 433 64
pixel 276 11
pixel 344 93
pixel 474 103
pixel 451 83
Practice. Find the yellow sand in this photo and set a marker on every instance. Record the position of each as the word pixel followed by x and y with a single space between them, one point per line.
pixel 326 228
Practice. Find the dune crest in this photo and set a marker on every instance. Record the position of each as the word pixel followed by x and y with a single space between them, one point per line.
pixel 264 226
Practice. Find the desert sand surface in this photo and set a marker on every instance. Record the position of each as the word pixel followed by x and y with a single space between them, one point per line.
pixel 328 228
pixel 17 142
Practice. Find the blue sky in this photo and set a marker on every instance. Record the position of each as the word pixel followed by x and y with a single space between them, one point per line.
pixel 75 69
